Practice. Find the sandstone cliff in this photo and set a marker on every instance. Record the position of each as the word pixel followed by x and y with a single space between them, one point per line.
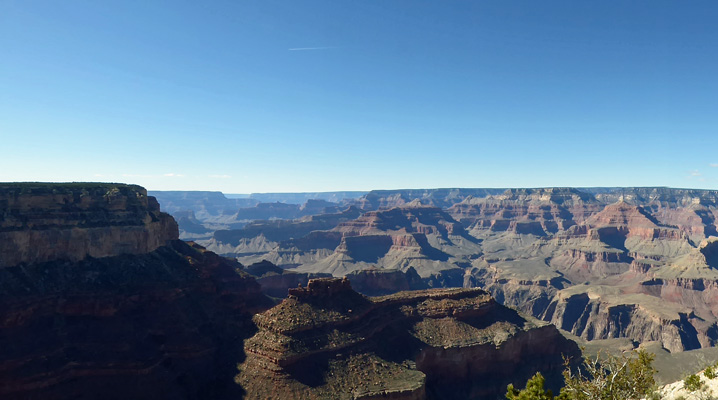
pixel 45 222
pixel 99 299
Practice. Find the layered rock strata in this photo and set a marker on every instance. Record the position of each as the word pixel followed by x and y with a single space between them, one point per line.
pixel 45 222
pixel 100 301
pixel 527 211
pixel 328 341
pixel 635 252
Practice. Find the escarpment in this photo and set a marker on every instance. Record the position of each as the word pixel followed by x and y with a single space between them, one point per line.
pixel 638 317
pixel 46 222
pixel 527 211
pixel 328 341
pixel 99 300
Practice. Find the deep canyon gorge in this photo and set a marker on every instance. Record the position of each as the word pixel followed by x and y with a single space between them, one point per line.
pixel 416 294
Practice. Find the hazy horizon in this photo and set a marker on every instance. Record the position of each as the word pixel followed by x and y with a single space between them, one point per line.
pixel 317 96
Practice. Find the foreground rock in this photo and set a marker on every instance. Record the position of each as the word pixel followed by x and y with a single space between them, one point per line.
pixel 99 300
pixel 328 341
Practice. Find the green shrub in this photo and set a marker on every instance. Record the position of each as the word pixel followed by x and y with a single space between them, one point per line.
pixel 654 396
pixel 606 377
pixel 534 390
pixel 710 372
pixel 692 383
pixel 609 377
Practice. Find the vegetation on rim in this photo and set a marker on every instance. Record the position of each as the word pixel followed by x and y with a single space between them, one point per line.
pixel 605 377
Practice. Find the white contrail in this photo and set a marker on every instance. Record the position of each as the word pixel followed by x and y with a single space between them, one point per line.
pixel 311 48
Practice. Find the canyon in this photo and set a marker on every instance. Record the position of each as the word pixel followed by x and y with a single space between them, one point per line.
pixel 200 213
pixel 102 300
pixel 600 263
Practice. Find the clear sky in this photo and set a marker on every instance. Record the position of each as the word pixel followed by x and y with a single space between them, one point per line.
pixel 281 96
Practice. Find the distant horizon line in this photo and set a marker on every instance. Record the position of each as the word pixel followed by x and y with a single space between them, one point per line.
pixel 366 191
pixel 443 188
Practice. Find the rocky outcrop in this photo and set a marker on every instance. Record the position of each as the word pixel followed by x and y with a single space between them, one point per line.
pixel 160 325
pixel 46 222
pixel 327 341
pixel 105 303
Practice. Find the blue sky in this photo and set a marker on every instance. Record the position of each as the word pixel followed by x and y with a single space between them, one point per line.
pixel 282 96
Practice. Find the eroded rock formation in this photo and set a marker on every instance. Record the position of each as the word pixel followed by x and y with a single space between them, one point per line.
pixel 635 252
pixel 328 341
pixel 99 299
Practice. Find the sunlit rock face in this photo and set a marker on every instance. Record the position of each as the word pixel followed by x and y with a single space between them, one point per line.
pixel 47 222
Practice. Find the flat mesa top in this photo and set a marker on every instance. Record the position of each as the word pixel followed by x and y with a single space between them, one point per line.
pixel 431 294
pixel 331 300
pixel 65 185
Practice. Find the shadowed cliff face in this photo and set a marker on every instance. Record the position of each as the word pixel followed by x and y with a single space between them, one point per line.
pixel 327 341
pixel 103 302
